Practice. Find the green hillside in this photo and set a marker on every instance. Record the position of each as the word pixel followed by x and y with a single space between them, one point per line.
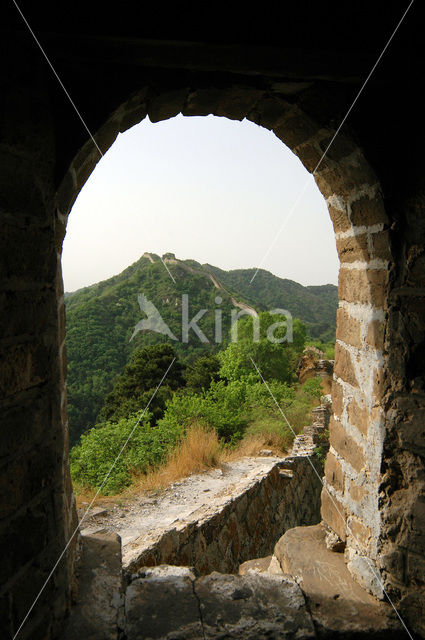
pixel 101 320
pixel 314 305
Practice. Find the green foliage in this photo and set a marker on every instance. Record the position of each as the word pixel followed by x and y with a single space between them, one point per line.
pixel 101 319
pixel 242 406
pixel 203 371
pixel 222 407
pixel 315 305
pixel 322 449
pixel 141 377
pixel 313 387
pixel 93 457
pixel 275 360
pixel 232 410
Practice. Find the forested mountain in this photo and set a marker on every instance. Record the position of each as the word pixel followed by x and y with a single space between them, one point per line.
pixel 101 319
pixel 314 305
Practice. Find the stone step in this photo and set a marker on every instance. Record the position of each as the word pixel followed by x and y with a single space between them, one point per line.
pixel 269 564
pixel 96 614
pixel 340 607
pixel 169 603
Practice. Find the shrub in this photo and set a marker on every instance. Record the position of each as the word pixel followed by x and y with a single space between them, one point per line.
pixel 92 459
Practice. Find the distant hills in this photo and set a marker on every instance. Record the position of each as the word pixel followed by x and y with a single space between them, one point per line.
pixel 101 319
pixel 314 305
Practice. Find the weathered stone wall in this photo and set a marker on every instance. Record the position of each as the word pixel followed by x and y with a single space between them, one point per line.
pixel 350 500
pixel 245 526
pixel 402 492
pixel 37 512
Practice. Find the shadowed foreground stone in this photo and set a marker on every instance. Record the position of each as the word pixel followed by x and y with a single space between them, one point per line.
pixel 162 604
pixel 339 606
pixel 252 607
pixel 96 613
pixel 168 603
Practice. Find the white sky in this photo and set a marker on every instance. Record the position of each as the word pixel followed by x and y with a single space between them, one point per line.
pixel 209 189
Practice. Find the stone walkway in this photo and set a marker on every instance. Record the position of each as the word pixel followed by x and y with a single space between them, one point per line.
pixel 215 520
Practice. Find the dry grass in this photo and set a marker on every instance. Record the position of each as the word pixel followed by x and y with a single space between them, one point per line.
pixel 85 495
pixel 200 450
pixel 253 443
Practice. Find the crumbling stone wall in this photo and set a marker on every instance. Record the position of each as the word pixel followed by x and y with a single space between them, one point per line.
pixel 246 526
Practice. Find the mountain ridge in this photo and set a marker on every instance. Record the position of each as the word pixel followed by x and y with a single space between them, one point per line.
pixel 101 319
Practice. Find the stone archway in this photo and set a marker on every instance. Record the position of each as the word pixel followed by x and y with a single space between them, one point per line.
pixel 353 195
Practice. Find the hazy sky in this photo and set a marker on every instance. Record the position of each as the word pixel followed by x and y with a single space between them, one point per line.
pixel 209 189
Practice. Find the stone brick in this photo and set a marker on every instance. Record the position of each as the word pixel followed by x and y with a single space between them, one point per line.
pixel 347 175
pixel 360 531
pixel 337 398
pixel 33 258
pixel 364 286
pixel 83 170
pixel 347 448
pixel 24 426
pixel 20 190
pixel 295 130
pixel 340 219
pixel 135 110
pixel 324 187
pixel 5 617
pixel 21 480
pixel 381 245
pixel 344 368
pixel 107 134
pixel 66 194
pixel 375 334
pixel 167 104
pixel 23 367
pixel 348 328
pixel 268 111
pixel 222 535
pixel 357 493
pixel 28 312
pixel 379 385
pixel 23 593
pixel 367 212
pixel 333 513
pixel 410 430
pixel 24 538
pixel 237 102
pixel 353 248
pixel 340 148
pixel 358 416
pixel 309 154
pixel 334 473
pixel 416 273
pixel 202 102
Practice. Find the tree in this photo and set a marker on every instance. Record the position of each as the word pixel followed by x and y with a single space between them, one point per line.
pixel 203 371
pixel 141 377
pixel 275 360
